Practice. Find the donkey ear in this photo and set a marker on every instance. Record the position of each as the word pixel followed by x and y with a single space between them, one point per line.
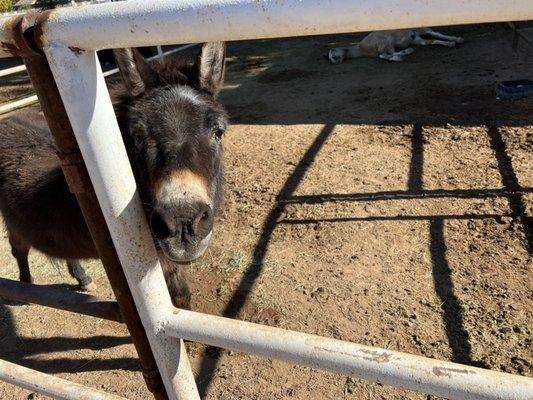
pixel 210 67
pixel 135 71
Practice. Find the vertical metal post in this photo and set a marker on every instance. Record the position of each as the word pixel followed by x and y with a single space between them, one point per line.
pixel 59 125
pixel 84 93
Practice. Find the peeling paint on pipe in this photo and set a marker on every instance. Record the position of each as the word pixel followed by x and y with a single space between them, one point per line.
pixel 426 375
pixel 137 23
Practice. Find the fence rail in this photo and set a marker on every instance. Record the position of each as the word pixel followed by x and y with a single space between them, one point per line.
pixel 49 385
pixel 70 37
pixel 12 70
pixel 136 23
pixel 430 376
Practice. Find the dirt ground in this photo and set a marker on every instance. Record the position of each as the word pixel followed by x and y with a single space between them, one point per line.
pixel 381 203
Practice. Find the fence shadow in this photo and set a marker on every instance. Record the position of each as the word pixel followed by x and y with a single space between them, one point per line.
pixel 20 350
pixel 442 272
pixel 458 338
pixel 509 180
pixel 238 299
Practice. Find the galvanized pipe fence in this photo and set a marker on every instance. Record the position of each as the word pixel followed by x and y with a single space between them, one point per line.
pixel 70 37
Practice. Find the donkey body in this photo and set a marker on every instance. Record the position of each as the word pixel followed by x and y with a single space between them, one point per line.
pixel 392 45
pixel 172 125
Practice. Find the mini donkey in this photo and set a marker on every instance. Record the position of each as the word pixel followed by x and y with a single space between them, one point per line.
pixel 172 126
pixel 392 45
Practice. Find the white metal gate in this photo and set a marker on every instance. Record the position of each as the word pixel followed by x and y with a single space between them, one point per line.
pixel 70 37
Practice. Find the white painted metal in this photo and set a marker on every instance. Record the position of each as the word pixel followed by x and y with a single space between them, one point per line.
pixel 12 70
pixel 136 23
pixel 49 385
pixel 83 89
pixel 436 377
pixel 16 104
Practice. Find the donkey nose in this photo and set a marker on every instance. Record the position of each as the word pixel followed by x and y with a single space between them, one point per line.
pixel 188 223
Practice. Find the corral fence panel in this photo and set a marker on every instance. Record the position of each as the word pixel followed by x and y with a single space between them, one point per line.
pixel 70 37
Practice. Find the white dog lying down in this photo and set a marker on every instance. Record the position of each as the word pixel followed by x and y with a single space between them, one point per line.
pixel 392 45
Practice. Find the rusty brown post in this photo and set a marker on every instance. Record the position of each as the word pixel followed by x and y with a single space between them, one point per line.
pixel 79 183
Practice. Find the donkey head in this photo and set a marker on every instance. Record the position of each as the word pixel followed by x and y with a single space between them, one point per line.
pixel 172 126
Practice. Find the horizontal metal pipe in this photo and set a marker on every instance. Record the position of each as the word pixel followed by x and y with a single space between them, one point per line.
pixel 137 23
pixel 430 376
pixel 12 70
pixel 50 385
pixel 62 299
pixel 16 104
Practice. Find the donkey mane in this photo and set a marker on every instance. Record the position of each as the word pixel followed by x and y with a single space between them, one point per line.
pixel 170 71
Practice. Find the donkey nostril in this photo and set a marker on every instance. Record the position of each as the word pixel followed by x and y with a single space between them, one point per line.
pixel 203 222
pixel 159 227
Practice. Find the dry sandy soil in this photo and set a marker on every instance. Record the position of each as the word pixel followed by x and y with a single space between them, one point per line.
pixel 381 203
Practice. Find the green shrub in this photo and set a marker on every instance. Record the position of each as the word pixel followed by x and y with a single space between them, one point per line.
pixel 6 5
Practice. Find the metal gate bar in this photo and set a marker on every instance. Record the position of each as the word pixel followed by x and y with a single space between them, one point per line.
pixel 426 375
pixel 12 70
pixel 49 385
pixel 79 184
pixel 70 37
pixel 88 105
pixel 136 23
